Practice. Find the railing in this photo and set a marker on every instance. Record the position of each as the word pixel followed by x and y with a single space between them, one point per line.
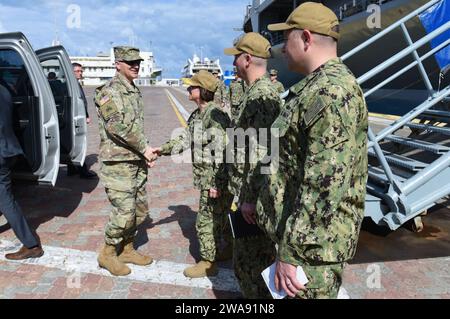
pixel 349 9
pixel 390 28
pixel 412 49
pixel 403 208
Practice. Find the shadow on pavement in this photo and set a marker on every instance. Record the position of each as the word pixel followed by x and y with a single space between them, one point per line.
pixel 380 244
pixel 185 217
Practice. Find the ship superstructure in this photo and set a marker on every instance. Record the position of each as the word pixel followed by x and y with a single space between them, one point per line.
pixel 197 64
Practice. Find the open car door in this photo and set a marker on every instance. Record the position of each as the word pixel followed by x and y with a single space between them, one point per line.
pixel 70 106
pixel 35 117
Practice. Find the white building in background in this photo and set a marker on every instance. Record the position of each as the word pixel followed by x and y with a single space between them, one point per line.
pixel 100 69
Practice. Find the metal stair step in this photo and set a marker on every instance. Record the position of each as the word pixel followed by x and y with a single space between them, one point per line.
pixel 437 115
pixel 430 128
pixel 426 146
pixel 401 161
pixel 378 174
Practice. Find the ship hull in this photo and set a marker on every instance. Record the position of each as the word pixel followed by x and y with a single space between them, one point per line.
pixel 399 96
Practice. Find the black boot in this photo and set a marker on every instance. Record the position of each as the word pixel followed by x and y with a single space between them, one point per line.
pixel 87 174
pixel 72 170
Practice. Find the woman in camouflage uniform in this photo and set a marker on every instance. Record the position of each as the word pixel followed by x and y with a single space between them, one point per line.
pixel 206 137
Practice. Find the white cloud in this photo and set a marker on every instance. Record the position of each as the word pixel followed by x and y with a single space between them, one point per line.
pixel 122 9
pixel 127 32
pixel 172 29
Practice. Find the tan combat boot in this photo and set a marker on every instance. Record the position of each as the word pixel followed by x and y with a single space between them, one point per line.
pixel 131 256
pixel 107 259
pixel 201 269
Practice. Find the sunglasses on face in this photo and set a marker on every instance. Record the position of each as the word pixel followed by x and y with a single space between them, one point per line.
pixel 132 63
pixel 191 88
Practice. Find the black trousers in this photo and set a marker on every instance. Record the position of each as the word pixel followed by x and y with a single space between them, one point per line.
pixel 11 209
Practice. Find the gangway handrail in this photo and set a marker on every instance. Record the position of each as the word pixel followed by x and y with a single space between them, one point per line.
pixel 383 161
pixel 373 142
pixel 400 55
pixel 410 116
pixel 407 68
pixel 411 49
pixel 389 29
pixel 421 67
pixel 426 174
pixel 406 197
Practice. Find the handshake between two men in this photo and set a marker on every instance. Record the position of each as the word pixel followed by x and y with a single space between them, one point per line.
pixel 151 155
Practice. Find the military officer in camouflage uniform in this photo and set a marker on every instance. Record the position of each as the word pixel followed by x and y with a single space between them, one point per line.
pixel 273 77
pixel 313 207
pixel 206 132
pixel 260 107
pixel 237 89
pixel 125 157
pixel 221 95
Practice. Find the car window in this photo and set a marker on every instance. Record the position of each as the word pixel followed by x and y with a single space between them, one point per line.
pixel 57 80
pixel 13 74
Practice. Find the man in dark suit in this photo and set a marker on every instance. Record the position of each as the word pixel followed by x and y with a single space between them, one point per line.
pixel 9 150
pixel 72 169
pixel 59 89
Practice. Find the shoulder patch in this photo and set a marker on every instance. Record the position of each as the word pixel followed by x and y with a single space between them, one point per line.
pixel 314 110
pixel 107 107
pixel 104 100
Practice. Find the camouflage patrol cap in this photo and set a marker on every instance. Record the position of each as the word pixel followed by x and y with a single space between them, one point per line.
pixel 124 53
pixel 253 44
pixel 203 79
pixel 311 16
pixel 273 72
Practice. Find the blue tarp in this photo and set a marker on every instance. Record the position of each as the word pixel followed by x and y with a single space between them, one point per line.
pixel 432 19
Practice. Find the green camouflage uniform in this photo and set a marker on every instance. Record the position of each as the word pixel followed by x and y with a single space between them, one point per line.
pixel 212 219
pixel 221 95
pixel 279 86
pixel 237 89
pixel 260 107
pixel 314 205
pixel 123 169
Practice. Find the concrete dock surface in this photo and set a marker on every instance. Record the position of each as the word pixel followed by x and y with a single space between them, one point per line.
pixel 70 220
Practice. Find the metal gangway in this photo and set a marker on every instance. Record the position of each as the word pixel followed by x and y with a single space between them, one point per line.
pixel 408 174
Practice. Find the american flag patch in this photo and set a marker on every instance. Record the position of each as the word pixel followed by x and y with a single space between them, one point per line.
pixel 104 100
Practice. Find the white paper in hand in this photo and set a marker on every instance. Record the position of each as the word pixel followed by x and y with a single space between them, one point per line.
pixel 269 277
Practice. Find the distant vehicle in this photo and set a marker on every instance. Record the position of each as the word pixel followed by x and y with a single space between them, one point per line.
pixel 50 122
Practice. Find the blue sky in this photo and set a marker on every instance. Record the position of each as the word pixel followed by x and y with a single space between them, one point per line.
pixel 172 29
